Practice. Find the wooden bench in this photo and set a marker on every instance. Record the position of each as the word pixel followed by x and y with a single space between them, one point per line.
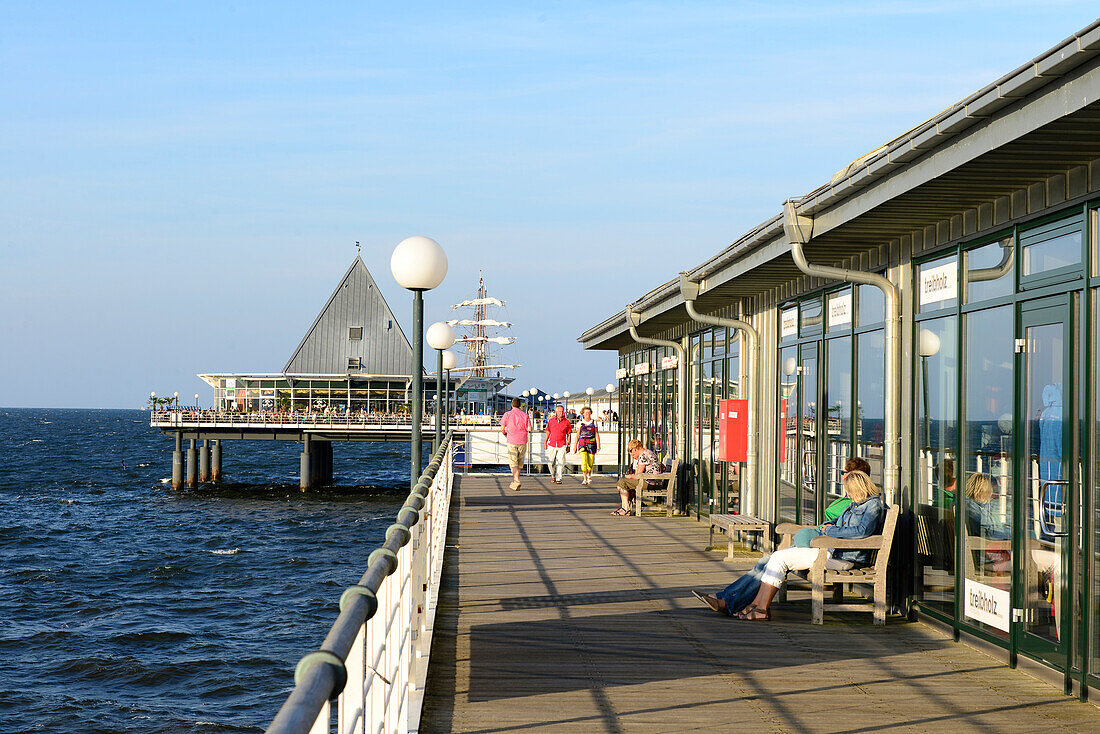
pixel 874 574
pixel 736 523
pixel 668 491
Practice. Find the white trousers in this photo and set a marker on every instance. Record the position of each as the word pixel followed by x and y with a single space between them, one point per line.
pixel 555 461
pixel 795 559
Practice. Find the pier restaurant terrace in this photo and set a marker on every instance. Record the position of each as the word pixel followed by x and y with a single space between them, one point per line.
pixel 934 308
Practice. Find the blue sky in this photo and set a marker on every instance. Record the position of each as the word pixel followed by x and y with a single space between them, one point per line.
pixel 182 184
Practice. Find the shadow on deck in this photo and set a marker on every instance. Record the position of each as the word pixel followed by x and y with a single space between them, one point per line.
pixel 556 616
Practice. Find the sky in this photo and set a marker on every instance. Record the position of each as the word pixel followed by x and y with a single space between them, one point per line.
pixel 182 184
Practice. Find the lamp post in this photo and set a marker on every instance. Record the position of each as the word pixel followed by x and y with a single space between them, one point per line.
pixel 176 397
pixel 418 264
pixel 153 401
pixel 450 361
pixel 928 346
pixel 440 338
pixel 610 387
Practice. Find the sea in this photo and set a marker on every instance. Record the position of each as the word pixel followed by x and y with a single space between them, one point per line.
pixel 126 606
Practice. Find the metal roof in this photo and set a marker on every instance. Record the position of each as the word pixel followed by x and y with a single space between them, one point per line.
pixel 1040 120
pixel 356 302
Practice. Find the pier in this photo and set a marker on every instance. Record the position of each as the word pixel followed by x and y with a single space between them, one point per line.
pixel 555 616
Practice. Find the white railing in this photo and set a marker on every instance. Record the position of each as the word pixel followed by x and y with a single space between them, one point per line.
pixel 226 418
pixel 374 661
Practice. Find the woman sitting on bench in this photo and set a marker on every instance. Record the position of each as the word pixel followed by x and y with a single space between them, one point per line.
pixel 862 519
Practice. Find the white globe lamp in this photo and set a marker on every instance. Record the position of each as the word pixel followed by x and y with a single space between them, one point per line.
pixel 450 360
pixel 440 336
pixel 929 345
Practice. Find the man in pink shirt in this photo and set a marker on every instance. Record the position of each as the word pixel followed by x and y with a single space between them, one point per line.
pixel 558 429
pixel 515 425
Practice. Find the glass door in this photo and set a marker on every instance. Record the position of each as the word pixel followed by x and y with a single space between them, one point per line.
pixel 808 455
pixel 1044 487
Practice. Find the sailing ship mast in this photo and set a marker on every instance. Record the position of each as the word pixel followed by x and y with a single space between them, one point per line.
pixel 478 333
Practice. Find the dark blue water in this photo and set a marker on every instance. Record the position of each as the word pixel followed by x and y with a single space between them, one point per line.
pixel 127 607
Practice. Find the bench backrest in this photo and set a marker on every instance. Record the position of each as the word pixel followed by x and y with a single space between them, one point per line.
pixel 882 556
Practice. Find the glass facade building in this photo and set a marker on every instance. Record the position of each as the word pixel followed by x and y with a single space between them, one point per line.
pixel 985 221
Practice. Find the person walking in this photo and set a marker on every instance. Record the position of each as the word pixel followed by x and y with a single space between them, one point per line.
pixel 558 432
pixel 516 425
pixel 588 444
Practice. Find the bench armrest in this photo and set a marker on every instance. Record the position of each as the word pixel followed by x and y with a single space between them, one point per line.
pixel 824 541
pixel 789 528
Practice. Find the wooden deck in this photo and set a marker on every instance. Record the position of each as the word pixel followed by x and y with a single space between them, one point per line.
pixel 555 616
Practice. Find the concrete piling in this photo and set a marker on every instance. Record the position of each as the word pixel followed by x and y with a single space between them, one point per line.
pixel 177 462
pixel 204 461
pixel 305 480
pixel 192 465
pixel 216 461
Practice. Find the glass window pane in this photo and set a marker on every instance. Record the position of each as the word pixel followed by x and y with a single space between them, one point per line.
pixel 838 418
pixel 872 305
pixel 839 311
pixel 811 317
pixel 788 423
pixel 987 457
pixel 871 401
pixel 1050 247
pixel 936 442
pixel 989 271
pixel 788 323
pixel 938 284
pixel 1095 606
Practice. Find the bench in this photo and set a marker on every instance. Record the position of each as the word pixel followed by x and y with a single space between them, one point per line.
pixel 736 523
pixel 668 491
pixel 875 574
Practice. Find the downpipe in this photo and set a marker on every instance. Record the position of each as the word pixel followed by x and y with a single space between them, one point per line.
pixel 799 230
pixel 690 291
pixel 633 319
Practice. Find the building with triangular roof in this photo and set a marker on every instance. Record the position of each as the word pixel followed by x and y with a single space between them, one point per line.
pixel 353 358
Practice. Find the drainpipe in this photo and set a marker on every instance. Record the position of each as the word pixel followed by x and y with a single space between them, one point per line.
pixel 1001 269
pixel 690 291
pixel 633 319
pixel 799 230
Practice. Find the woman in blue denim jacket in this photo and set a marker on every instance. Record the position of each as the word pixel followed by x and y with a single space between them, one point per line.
pixel 863 518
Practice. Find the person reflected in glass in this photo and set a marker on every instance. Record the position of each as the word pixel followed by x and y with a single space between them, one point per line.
pixel 741 593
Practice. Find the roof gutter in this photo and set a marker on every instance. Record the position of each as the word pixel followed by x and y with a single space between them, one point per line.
pixel 633 320
pixel 799 230
pixel 690 291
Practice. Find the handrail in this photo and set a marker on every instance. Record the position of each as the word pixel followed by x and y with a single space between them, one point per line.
pixel 369 659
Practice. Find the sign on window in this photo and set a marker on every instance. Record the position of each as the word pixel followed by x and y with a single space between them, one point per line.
pixel 987 604
pixel 939 283
pixel 790 323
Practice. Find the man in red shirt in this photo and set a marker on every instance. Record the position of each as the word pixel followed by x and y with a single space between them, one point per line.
pixel 558 430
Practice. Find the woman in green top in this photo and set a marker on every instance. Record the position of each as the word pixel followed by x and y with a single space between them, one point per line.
pixel 740 593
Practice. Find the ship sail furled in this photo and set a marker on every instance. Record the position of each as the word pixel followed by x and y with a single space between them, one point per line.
pixel 478 333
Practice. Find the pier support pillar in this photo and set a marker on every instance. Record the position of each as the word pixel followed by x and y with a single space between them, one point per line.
pixel 204 461
pixel 177 463
pixel 192 465
pixel 305 480
pixel 216 461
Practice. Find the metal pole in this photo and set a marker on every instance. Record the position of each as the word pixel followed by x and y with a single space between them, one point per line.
pixel 447 398
pixel 417 385
pixel 927 421
pixel 438 401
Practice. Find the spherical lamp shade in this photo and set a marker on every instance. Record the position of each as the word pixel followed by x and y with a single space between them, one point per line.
pixel 450 360
pixel 556 396
pixel 565 394
pixel 153 394
pixel 790 364
pixel 440 335
pixel 929 343
pixel 589 391
pixel 418 263
pixel 175 394
pixel 609 387
pixel 525 393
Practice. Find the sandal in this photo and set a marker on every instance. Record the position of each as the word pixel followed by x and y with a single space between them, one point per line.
pixel 621 512
pixel 709 599
pixel 754 614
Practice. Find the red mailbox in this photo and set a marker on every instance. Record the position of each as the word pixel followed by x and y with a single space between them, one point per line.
pixel 733 430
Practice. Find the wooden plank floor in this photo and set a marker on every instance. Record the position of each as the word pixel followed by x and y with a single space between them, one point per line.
pixel 555 616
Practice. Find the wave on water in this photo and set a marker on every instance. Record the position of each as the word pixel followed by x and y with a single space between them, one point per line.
pixel 226 551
